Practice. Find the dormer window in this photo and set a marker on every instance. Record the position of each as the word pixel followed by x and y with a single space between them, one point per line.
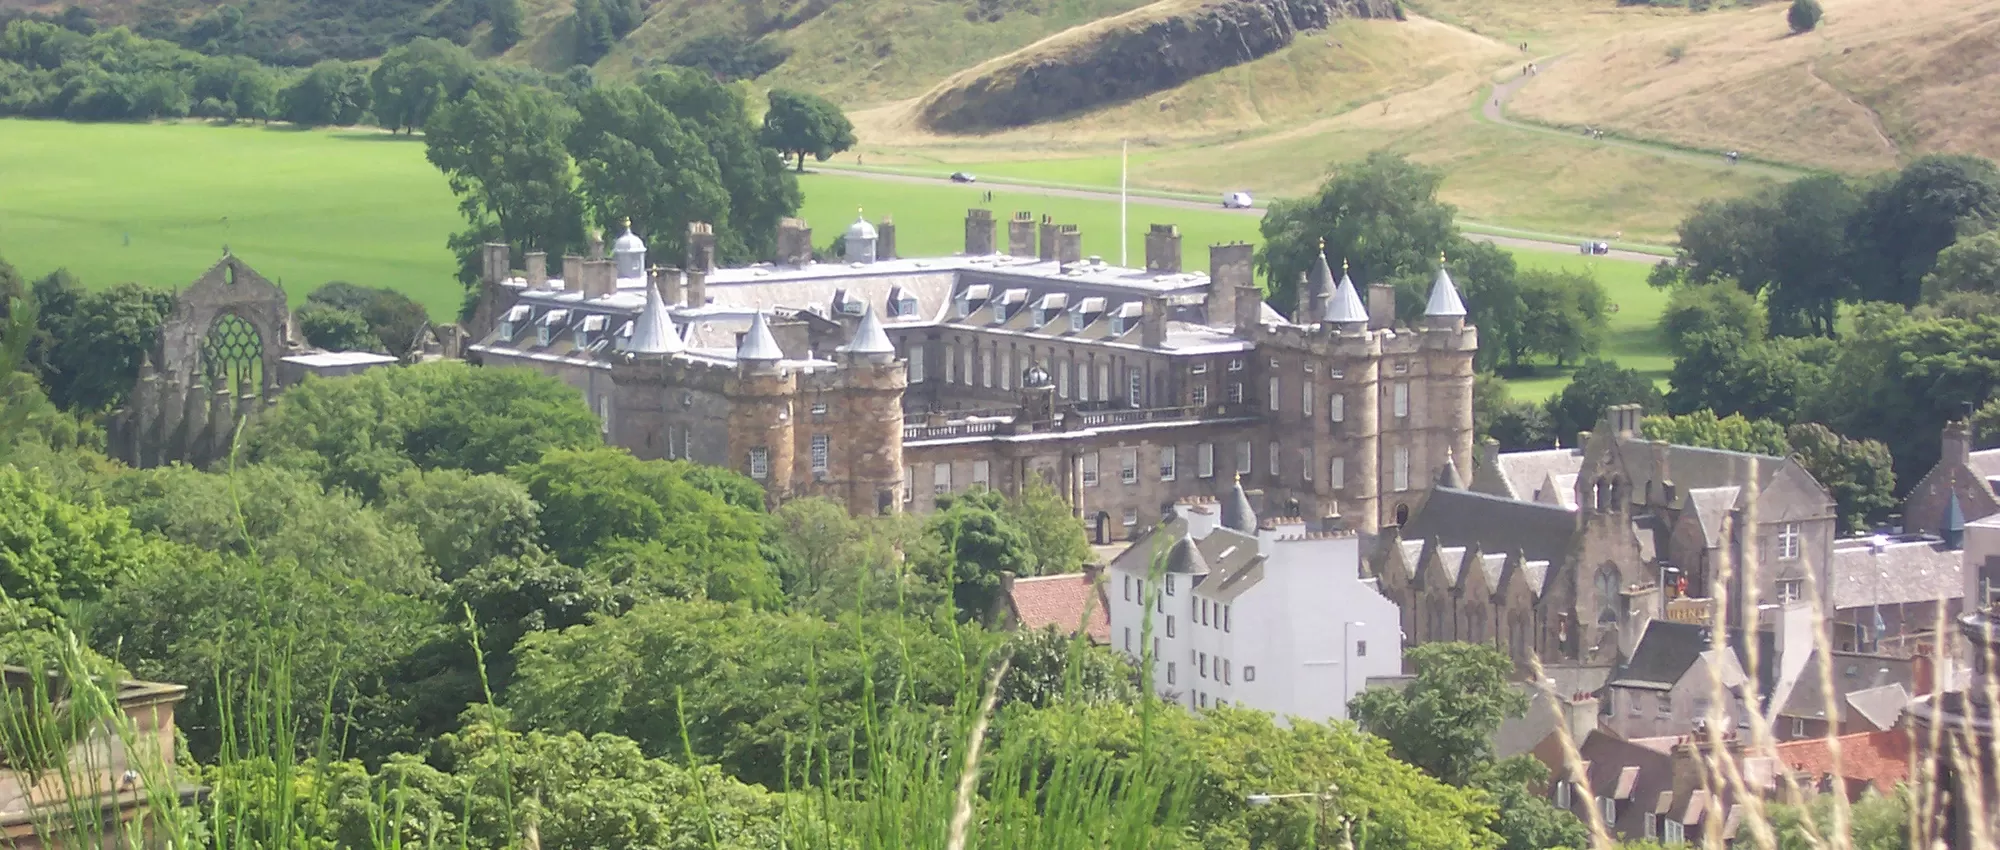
pixel 847 304
pixel 1076 320
pixel 964 305
pixel 1047 308
pixel 902 303
pixel 1117 325
pixel 542 335
pixel 510 323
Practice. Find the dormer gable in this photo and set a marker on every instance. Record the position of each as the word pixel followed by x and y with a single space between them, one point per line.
pixel 1472 581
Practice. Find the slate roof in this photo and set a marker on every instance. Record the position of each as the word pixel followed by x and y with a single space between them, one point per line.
pixel 1867 571
pixel 1444 300
pixel 1881 707
pixel 1060 601
pixel 1985 463
pixel 869 337
pixel 758 344
pixel 1668 650
pixel 1711 506
pixel 1345 307
pixel 1854 673
pixel 1497 524
pixel 1522 473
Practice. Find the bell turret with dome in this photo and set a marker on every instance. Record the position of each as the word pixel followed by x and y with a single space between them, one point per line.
pixel 859 241
pixel 630 253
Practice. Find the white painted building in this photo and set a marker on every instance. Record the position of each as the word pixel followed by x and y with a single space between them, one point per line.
pixel 1276 619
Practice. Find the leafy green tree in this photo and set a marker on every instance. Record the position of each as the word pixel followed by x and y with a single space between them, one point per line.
pixel 1055 536
pixel 799 123
pixel 1598 385
pixel 838 562
pixel 592 25
pixel 635 159
pixel 1903 223
pixel 335 329
pixel 415 81
pixel 1967 272
pixel 1804 15
pixel 753 685
pixel 1901 377
pixel 501 149
pixel 357 432
pixel 1792 243
pixel 1875 822
pixel 53 550
pixel 1706 308
pixel 1859 473
pixel 1729 433
pixel 639 570
pixel 272 512
pixel 1516 424
pixel 462 519
pixel 393 318
pixel 1443 720
pixel 761 190
pixel 331 93
pixel 977 542
pixel 1773 379
pixel 1565 314
pixel 506 17
pixel 1381 216
pixel 1048 667
pixel 92 343
pixel 624 14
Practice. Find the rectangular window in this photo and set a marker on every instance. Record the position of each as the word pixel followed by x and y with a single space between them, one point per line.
pixel 1204 665
pixel 1199 397
pixel 1128 588
pixel 1170 584
pixel 1204 611
pixel 1235 392
pixel 1306 399
pixel 1337 474
pixel 1200 367
pixel 1798 727
pixel 909 484
pixel 1225 617
pixel 1128 639
pixel 820 451
pixel 1135 386
pixel 1156 646
pixel 980 471
pixel 1401 480
pixel 819 408
pixel 1274 362
pixel 1131 516
pixel 1650 824
pixel 1788 541
pixel 1337 407
pixel 1791 590
pixel 1306 456
pixel 1674 832
pixel 1204 698
pixel 1402 367
pixel 1250 673
pixel 1228 668
pixel 1337 374
pixel 1236 364
pixel 1243 458
pixel 986 368
pixel 1167 463
pixel 1170 625
pixel 1128 466
pixel 951 363
pixel 1608 808
pixel 1273 396
pixel 916 364
pixel 941 478
pixel 1083 382
pixel 968 363
pixel 1062 379
pixel 760 463
pixel 1360 649
pixel 1402 401
pixel 1007 370
pixel 1204 460
pixel 1170 672
pixel 1271 459
pixel 1090 470
pixel 1562 795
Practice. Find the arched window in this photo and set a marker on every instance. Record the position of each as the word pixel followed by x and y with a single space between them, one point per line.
pixel 1402 514
pixel 1608 584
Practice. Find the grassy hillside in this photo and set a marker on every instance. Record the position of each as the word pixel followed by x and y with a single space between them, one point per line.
pixel 1874 84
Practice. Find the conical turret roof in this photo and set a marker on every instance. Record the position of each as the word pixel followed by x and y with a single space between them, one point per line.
pixel 1185 558
pixel 1321 278
pixel 1448 476
pixel 1236 511
pixel 758 344
pixel 869 338
pixel 1345 307
pixel 653 332
pixel 1444 302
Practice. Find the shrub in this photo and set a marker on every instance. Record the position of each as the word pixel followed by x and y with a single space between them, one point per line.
pixel 1804 15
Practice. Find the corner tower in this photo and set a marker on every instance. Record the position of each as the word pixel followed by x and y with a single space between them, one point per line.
pixel 760 397
pixel 866 444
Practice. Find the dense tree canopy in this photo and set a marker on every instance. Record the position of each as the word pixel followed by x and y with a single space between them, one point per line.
pixel 799 123
pixel 92 342
pixel 1381 217
pixel 53 550
pixel 1596 386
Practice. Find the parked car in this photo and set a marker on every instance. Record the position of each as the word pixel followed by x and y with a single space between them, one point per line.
pixel 963 177
pixel 1237 201
pixel 1594 248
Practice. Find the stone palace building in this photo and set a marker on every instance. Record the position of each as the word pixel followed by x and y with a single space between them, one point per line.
pixel 885 382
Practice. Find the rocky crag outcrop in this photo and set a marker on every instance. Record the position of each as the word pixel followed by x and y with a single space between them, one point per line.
pixel 1150 49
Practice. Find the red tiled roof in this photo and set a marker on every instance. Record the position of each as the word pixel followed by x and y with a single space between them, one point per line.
pixel 1059 601
pixel 1880 758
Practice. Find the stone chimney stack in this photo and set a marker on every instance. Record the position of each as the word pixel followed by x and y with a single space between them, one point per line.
pixel 1489 455
pixel 1229 266
pixel 1957 443
pixel 1305 314
pixel 1153 323
pixel 538 270
pixel 1163 249
pixel 978 232
pixel 1047 239
pixel 1381 306
pixel 667 280
pixel 885 239
pixel 701 247
pixel 1021 235
pixel 794 242
pixel 493 262
pixel 572 273
pixel 1069 245
pixel 600 278
pixel 596 245
pixel 1249 303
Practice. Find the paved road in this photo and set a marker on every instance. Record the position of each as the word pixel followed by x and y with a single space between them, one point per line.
pixel 1176 203
pixel 1494 109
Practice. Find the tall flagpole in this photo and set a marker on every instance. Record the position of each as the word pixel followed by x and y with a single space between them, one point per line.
pixel 1124 159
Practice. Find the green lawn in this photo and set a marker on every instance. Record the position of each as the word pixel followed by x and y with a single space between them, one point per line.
pixel 155 204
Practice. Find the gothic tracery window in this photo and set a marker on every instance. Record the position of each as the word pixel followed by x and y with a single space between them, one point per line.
pixel 232 353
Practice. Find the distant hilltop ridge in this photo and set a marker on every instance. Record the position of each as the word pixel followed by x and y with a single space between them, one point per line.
pixel 1147 50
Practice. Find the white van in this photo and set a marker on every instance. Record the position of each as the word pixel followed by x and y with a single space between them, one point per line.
pixel 1237 201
